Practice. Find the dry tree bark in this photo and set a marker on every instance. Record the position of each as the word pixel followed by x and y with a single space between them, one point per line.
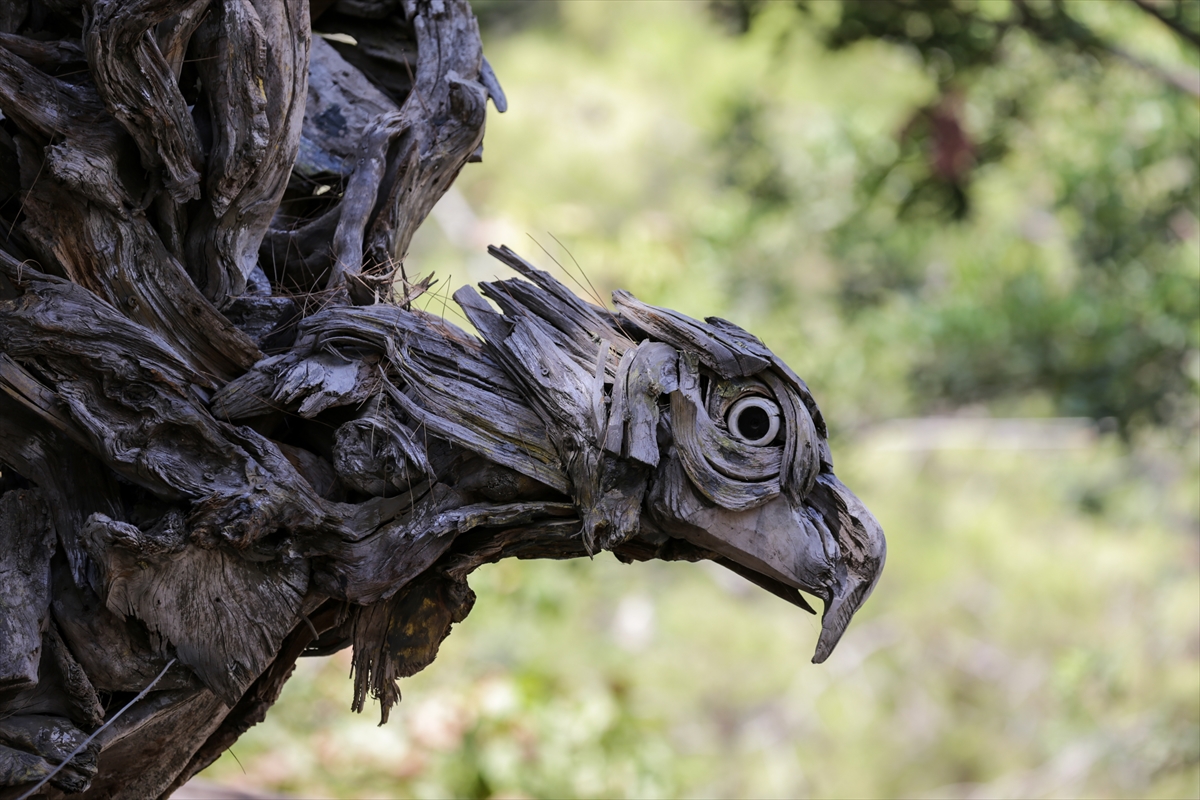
pixel 226 441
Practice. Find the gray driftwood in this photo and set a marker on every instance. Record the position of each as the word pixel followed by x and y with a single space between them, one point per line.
pixel 227 442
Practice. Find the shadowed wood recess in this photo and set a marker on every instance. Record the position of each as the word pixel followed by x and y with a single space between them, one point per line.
pixel 227 441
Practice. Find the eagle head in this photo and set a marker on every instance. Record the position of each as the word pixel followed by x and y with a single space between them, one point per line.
pixel 746 475
pixel 681 438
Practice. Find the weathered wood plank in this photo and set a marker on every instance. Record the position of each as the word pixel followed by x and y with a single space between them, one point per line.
pixel 37 742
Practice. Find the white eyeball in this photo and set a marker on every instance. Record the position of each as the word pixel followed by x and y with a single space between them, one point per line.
pixel 754 420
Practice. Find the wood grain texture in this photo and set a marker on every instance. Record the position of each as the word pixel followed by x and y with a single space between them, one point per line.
pixel 139 88
pixel 252 58
pixel 227 441
pixel 26 545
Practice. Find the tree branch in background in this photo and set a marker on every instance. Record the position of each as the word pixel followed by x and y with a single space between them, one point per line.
pixel 1175 21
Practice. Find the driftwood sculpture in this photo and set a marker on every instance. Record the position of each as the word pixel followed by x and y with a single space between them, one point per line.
pixel 226 441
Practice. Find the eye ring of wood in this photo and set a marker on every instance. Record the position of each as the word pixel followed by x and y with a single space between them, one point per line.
pixel 734 419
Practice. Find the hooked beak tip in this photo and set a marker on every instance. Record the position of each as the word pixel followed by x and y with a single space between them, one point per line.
pixel 867 549
pixel 833 625
pixel 843 601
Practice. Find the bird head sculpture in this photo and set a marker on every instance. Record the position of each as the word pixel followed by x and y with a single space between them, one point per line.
pixel 675 430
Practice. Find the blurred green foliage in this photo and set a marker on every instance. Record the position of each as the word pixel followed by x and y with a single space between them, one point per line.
pixel 1106 145
pixel 926 208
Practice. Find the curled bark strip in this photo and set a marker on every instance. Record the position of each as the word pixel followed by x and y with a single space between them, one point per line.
pixel 409 159
pixel 41 105
pixel 123 260
pixel 653 372
pixel 359 202
pixel 44 55
pixel 231 48
pixel 790 378
pixel 618 412
pixel 175 33
pixel 83 705
pixel 578 321
pixel 699 456
pixel 253 62
pixel 802 445
pixel 139 88
pixel 490 82
pixel 733 457
pixel 729 356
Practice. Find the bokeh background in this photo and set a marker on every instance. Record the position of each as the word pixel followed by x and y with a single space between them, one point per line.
pixel 973 228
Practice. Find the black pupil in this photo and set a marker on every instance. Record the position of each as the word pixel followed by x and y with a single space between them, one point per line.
pixel 753 423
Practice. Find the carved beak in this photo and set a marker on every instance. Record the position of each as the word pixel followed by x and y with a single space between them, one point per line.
pixel 844 599
pixel 825 543
pixel 828 545
pixel 863 553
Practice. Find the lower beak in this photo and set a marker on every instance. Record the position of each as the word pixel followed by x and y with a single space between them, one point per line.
pixel 844 599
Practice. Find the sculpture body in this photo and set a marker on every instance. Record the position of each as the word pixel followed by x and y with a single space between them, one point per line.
pixel 226 442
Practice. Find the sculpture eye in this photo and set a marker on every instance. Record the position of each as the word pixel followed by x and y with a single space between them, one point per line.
pixel 754 420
